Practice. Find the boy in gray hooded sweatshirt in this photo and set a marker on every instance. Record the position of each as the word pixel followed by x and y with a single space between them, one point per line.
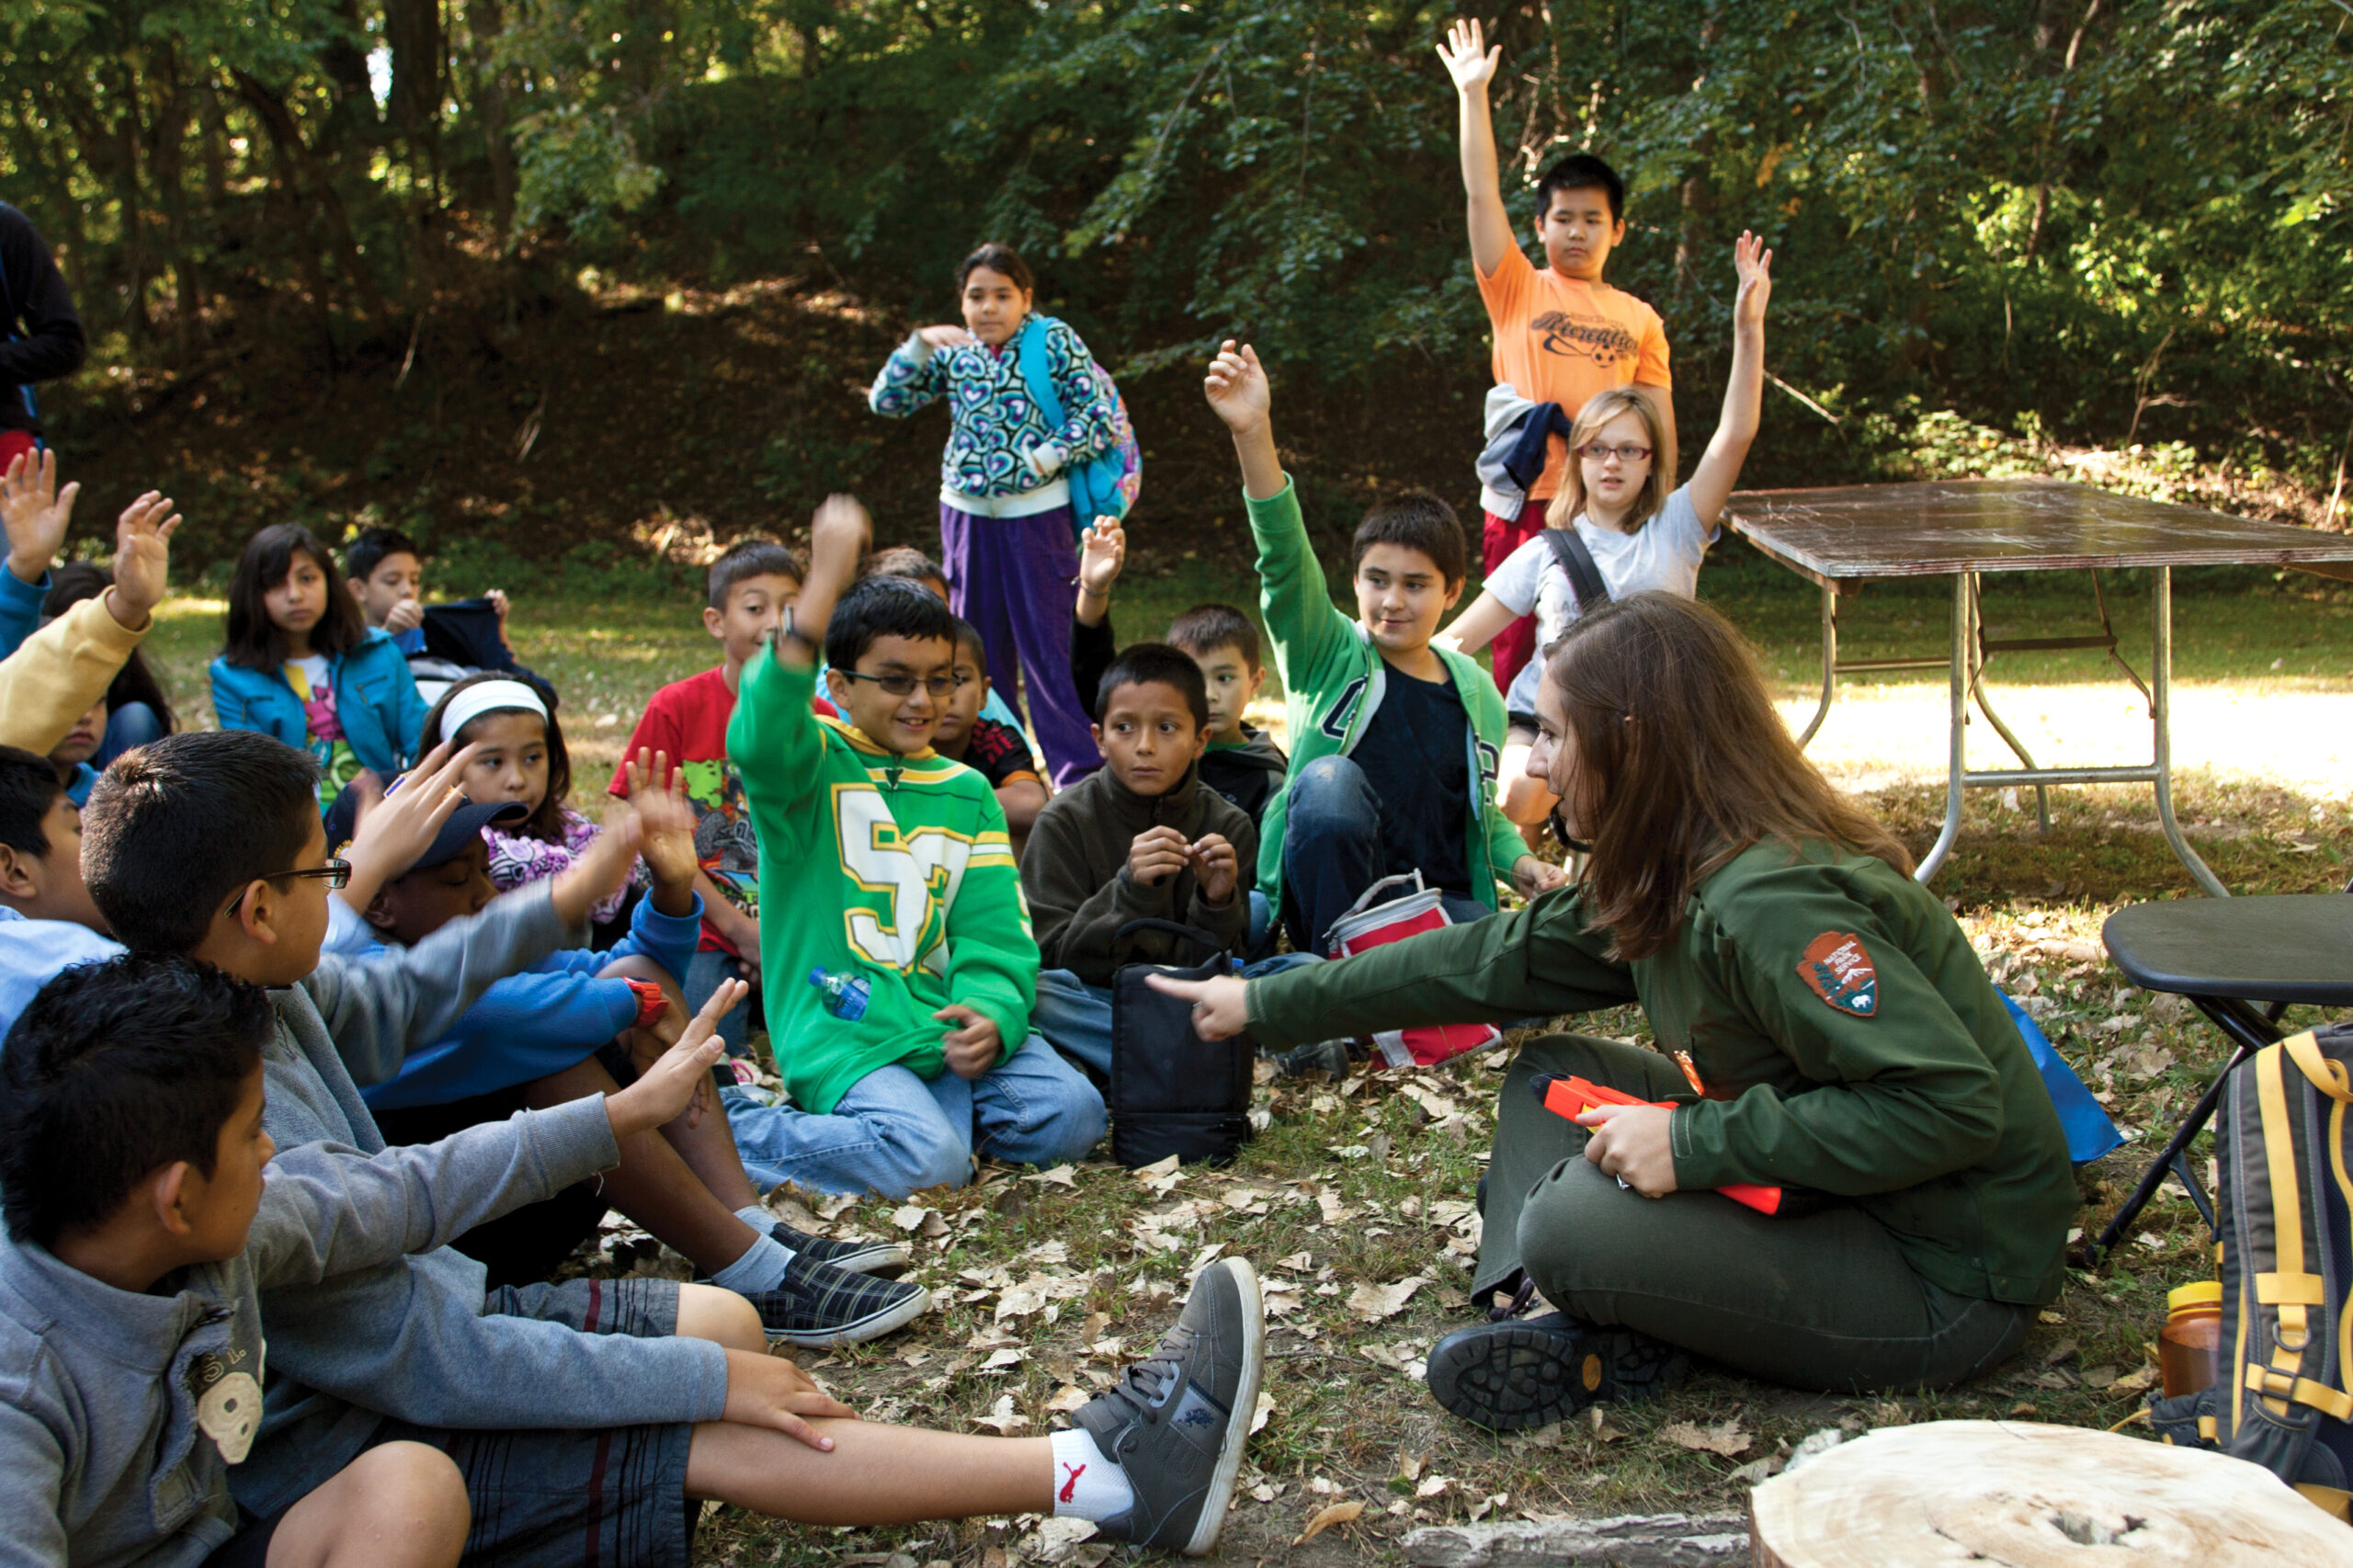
pixel 142 1229
pixel 583 1418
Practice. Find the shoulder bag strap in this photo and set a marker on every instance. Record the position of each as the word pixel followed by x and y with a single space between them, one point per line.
pixel 1575 559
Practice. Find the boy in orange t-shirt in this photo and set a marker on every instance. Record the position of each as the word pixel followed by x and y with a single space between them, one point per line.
pixel 1562 334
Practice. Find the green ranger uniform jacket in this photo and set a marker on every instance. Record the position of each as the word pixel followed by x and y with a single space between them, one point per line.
pixel 1847 1037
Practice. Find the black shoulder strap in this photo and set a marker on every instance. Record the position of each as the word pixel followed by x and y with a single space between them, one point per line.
pixel 1578 561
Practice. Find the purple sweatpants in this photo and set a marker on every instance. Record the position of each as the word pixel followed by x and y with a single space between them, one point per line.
pixel 1013 578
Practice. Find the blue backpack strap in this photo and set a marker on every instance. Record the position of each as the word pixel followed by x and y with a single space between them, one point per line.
pixel 1038 374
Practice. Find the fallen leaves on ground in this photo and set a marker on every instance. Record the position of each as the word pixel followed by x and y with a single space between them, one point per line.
pixel 1328 1519
pixel 1374 1302
pixel 1725 1438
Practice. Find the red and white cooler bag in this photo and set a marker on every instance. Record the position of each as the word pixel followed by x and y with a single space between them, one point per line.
pixel 1369 924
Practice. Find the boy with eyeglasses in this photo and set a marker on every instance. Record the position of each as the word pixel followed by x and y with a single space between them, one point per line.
pixel 896 954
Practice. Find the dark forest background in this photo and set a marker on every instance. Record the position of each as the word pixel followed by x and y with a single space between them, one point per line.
pixel 559 283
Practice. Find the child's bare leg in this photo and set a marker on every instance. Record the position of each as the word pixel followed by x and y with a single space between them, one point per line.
pixel 706 1311
pixel 875 1476
pixel 397 1505
pixel 709 1152
pixel 652 1186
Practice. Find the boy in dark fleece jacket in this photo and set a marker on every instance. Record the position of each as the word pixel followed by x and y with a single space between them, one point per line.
pixel 1143 839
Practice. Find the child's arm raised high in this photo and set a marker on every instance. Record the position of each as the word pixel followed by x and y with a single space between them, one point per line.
pixel 1718 471
pixel 773 738
pixel 1472 65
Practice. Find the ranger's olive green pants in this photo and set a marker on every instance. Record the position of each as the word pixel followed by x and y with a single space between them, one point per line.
pixel 1822 1301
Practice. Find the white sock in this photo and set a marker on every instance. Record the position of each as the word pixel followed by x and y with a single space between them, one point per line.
pixel 763 1223
pixel 760 1269
pixel 1087 1485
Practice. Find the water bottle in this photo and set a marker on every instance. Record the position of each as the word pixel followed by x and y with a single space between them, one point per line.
pixel 845 995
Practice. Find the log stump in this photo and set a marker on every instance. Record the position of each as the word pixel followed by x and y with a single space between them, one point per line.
pixel 2027 1495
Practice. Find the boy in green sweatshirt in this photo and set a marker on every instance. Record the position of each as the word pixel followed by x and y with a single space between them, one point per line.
pixel 1393 739
pixel 897 953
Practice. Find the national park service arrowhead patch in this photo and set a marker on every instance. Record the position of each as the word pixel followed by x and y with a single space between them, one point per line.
pixel 1839 971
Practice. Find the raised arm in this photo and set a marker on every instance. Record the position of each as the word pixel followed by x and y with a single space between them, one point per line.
pixel 1718 473
pixel 914 376
pixel 773 738
pixel 1236 387
pixel 1472 65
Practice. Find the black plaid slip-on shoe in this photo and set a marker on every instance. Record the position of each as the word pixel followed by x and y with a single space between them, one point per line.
pixel 818 1304
pixel 1178 1423
pixel 884 1260
pixel 1534 1372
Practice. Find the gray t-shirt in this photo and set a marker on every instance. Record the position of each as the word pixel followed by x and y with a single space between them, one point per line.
pixel 1662 554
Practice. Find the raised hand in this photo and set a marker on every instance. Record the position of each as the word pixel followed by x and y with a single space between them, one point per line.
pixel 142 558
pixel 1755 264
pixel 1236 387
pixel 35 513
pixel 665 1088
pixel 394 831
pixel 1102 551
pixel 1467 58
pixel 666 822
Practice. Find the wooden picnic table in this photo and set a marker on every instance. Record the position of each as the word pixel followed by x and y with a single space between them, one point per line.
pixel 1840 538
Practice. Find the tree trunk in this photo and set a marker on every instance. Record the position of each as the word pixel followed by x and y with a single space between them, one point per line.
pixel 487 20
pixel 2034 1496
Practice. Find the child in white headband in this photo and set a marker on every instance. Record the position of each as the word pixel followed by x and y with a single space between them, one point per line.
pixel 522 758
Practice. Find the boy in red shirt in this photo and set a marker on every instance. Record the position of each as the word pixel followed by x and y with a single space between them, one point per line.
pixel 1562 334
pixel 753 588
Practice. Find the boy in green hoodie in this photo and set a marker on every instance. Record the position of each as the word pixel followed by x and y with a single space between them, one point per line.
pixel 1393 738
pixel 896 954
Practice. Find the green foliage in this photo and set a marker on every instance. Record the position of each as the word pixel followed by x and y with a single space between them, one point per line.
pixel 2126 222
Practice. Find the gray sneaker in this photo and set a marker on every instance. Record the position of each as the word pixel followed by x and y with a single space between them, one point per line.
pixel 1178 1423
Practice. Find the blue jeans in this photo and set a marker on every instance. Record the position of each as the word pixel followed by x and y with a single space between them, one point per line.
pixel 1076 1018
pixel 896 1133
pixel 1333 850
pixel 132 724
pixel 703 976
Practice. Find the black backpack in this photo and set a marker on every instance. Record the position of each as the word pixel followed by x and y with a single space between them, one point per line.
pixel 1173 1092
pixel 1584 574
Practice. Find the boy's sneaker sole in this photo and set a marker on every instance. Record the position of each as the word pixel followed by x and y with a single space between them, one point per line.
pixel 884 1260
pixel 1507 1376
pixel 818 1304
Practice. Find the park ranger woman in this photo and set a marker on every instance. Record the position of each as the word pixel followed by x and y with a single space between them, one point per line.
pixel 1823 1026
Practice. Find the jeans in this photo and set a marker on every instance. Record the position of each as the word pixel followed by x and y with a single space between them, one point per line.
pixel 895 1132
pixel 1076 1018
pixel 1333 850
pixel 703 976
pixel 132 724
pixel 1821 1301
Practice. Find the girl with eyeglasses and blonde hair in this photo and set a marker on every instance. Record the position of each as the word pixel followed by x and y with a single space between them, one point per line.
pixel 1615 500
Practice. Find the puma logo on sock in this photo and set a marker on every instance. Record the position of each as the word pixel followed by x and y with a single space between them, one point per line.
pixel 1070 1487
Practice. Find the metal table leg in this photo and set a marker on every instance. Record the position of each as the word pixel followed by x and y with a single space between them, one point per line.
pixel 1963 617
pixel 1829 662
pixel 2161 725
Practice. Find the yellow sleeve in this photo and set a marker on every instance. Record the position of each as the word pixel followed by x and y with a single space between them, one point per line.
pixel 57 672
pixel 1650 366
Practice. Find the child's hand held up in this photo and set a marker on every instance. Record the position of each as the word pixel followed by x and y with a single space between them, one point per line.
pixel 1467 58
pixel 35 512
pixel 664 1090
pixel 1102 551
pixel 1236 387
pixel 666 822
pixel 142 558
pixel 1753 263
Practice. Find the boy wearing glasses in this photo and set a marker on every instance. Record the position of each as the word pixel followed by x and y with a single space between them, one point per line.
pixel 1640 536
pixel 897 956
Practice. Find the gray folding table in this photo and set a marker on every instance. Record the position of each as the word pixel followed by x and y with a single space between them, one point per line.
pixel 1840 538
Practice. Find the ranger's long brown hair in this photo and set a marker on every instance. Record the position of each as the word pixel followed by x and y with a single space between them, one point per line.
pixel 1682 763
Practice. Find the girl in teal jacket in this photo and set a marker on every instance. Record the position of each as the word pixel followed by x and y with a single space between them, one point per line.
pixel 302 664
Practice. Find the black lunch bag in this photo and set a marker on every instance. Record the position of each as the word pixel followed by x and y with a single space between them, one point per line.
pixel 1173 1092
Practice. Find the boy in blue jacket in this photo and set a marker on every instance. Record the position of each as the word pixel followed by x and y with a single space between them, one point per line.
pixel 575 1023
